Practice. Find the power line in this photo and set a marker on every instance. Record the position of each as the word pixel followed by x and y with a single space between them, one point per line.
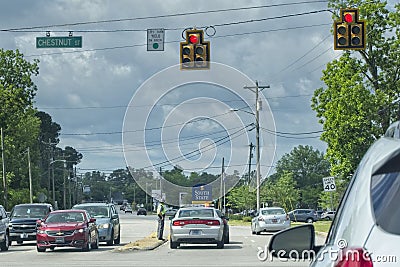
pixel 160 16
pixel 161 105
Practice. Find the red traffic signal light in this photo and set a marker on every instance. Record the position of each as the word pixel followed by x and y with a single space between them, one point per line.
pixel 349 32
pixel 194 53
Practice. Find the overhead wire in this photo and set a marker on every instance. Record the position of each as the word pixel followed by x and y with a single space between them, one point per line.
pixel 161 16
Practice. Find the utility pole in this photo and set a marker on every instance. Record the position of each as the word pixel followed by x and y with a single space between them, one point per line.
pixel 3 160
pixel 250 157
pixel 222 185
pixel 256 89
pixel 30 177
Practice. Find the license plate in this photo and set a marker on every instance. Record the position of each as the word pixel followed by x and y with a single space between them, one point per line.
pixel 274 220
pixel 59 239
pixel 195 232
pixel 24 235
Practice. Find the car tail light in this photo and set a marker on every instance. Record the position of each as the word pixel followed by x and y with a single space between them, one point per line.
pixel 196 221
pixel 260 218
pixel 287 218
pixel 354 257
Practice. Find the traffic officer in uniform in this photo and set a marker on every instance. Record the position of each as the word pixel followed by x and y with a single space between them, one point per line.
pixel 161 217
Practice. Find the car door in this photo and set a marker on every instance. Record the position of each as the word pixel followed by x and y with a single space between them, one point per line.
pixel 3 223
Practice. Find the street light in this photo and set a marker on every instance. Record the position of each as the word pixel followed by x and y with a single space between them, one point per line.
pixel 52 179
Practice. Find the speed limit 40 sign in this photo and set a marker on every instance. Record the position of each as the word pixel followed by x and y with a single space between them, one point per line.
pixel 329 184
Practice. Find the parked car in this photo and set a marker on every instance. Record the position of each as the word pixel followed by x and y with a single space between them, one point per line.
pixel 23 219
pixel 303 215
pixel 170 212
pixel 328 215
pixel 141 211
pixel 122 207
pixel 197 225
pixel 367 221
pixel 67 228
pixel 4 231
pixel 270 219
pixel 128 209
pixel 107 221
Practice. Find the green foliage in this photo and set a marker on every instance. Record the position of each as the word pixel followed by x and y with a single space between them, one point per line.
pixel 241 198
pixel 281 192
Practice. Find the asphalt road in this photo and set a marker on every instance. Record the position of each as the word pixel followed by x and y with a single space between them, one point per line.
pixel 242 251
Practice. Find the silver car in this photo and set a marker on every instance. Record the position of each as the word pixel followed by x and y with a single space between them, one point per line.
pixel 366 228
pixel 270 219
pixel 197 225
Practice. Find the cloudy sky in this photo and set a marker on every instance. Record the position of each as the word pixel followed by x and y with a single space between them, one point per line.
pixel 112 95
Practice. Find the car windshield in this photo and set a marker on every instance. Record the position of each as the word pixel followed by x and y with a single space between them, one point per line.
pixel 197 213
pixel 273 212
pixel 65 217
pixel 29 212
pixel 95 211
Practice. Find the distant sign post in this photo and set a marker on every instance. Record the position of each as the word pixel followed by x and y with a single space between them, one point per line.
pixel 155 40
pixel 59 42
pixel 201 194
pixel 329 184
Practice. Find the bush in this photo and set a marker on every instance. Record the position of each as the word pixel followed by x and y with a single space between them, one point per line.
pixel 246 219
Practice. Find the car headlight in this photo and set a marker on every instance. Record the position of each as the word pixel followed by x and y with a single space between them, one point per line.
pixel 103 226
pixel 10 226
pixel 41 231
pixel 82 230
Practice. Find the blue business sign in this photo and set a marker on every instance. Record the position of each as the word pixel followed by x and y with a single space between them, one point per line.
pixel 201 194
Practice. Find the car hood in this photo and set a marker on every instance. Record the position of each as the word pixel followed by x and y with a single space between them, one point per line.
pixel 102 220
pixel 24 220
pixel 62 226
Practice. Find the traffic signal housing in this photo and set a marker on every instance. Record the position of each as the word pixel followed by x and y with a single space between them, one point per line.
pixel 194 52
pixel 349 31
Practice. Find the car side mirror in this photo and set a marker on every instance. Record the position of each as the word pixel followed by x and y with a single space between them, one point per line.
pixel 39 223
pixel 92 220
pixel 298 242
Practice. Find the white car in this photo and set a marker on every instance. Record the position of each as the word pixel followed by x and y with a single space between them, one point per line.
pixel 198 225
pixel 270 219
pixel 365 231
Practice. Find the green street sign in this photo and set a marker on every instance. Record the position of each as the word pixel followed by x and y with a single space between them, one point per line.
pixel 59 42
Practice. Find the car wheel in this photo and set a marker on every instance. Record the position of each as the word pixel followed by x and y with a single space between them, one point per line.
pixel 5 244
pixel 173 245
pixel 88 245
pixel 220 244
pixel 52 248
pixel 96 244
pixel 40 249
pixel 309 220
pixel 19 242
pixel 118 240
pixel 111 241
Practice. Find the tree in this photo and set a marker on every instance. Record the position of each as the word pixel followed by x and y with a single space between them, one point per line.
pixel 282 192
pixel 362 89
pixel 17 119
pixel 308 167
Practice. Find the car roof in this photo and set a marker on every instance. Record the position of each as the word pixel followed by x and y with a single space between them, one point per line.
pixel 93 204
pixel 63 211
pixel 197 208
pixel 33 204
pixel 270 208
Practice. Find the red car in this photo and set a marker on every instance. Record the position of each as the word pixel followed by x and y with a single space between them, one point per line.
pixel 67 228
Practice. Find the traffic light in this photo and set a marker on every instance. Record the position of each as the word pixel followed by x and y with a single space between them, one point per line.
pixel 349 31
pixel 195 53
